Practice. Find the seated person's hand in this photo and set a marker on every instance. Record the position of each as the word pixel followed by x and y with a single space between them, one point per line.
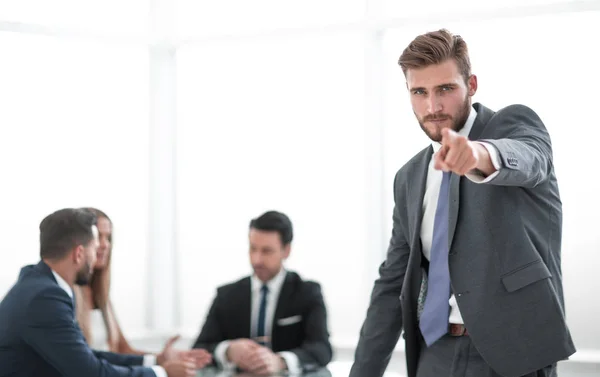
pixel 168 353
pixel 239 350
pixel 264 362
pixel 200 357
pixel 183 367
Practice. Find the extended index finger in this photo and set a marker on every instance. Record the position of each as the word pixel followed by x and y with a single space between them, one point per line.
pixel 439 159
pixel 448 136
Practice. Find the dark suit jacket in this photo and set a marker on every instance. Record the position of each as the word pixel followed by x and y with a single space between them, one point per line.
pixel 504 259
pixel 39 335
pixel 229 318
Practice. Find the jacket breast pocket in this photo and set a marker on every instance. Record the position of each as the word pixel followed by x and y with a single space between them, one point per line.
pixel 289 320
pixel 525 275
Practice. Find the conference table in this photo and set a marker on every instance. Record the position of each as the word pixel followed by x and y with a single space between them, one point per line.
pixel 334 369
pixel 215 372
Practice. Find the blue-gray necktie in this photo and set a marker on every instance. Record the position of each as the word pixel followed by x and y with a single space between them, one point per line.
pixel 434 319
pixel 262 312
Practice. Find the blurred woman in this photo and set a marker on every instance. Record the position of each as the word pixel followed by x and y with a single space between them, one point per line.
pixel 95 312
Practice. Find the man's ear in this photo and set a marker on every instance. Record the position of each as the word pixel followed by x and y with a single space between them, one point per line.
pixel 286 251
pixel 78 254
pixel 472 85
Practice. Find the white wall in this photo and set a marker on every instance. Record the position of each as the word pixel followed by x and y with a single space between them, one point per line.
pixel 73 124
pixel 272 124
pixel 114 17
pixel 204 18
pixel 313 121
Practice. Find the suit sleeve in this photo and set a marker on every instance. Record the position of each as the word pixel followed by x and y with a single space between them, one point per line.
pixel 49 329
pixel 211 334
pixel 381 329
pixel 120 359
pixel 524 148
pixel 315 351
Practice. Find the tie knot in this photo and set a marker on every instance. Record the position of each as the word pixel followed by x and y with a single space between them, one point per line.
pixel 264 289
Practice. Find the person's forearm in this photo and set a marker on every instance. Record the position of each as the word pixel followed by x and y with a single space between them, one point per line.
pixel 484 161
pixel 127 350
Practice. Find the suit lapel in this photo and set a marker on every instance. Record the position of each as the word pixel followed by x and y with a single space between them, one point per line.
pixel 483 116
pixel 453 207
pixel 416 193
pixel 244 307
pixel 283 302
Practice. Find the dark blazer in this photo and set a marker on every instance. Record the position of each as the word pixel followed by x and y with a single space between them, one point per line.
pixel 39 335
pixel 229 318
pixel 504 258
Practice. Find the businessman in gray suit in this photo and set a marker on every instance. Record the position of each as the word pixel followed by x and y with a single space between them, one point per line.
pixel 472 274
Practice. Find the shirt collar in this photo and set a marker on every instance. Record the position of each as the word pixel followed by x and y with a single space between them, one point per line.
pixel 274 284
pixel 63 284
pixel 463 131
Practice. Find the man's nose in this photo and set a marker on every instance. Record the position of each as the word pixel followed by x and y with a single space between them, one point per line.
pixel 257 259
pixel 434 104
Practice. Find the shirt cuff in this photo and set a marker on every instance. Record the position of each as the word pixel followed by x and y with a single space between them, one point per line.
pixel 159 371
pixel 221 355
pixel 494 157
pixel 149 360
pixel 292 362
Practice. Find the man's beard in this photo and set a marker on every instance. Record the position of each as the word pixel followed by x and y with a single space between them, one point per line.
pixel 84 275
pixel 458 122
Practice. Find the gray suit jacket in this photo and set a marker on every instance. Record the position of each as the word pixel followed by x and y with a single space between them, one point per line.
pixel 504 261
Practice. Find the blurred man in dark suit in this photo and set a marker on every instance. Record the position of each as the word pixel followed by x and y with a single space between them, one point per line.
pixel 273 320
pixel 38 332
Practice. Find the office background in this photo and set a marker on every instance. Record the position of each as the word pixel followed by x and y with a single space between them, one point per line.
pixel 184 119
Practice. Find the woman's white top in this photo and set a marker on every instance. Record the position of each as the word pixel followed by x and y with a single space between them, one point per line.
pixel 98 327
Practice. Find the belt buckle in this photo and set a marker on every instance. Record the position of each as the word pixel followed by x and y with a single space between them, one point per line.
pixel 457 330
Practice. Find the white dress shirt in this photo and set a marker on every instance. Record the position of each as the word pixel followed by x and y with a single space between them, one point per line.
pixel 149 360
pixel 432 191
pixel 274 285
